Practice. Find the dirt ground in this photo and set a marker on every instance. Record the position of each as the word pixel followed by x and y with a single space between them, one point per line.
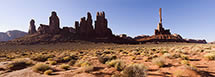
pixel 160 60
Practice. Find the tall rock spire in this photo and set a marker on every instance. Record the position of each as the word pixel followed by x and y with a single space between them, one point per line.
pixel 32 28
pixel 160 27
pixel 160 14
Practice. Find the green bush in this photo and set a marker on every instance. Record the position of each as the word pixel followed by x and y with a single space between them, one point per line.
pixel 135 70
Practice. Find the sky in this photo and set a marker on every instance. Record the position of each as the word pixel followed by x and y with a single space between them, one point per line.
pixel 190 18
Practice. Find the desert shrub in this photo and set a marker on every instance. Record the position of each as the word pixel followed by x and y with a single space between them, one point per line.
pixel 192 67
pixel 64 59
pixel 184 57
pixel 88 68
pixel 167 55
pixel 41 57
pixel 64 66
pixel 19 64
pixel 160 61
pixel 50 59
pixel 134 70
pixel 117 64
pixel 103 59
pixel 185 62
pixel 41 68
pixel 52 62
pixel 164 52
pixel 48 72
pixel 178 73
pixel 209 56
pixel 82 63
pixel 72 62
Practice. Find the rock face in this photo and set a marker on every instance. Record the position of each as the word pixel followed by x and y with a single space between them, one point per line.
pixel 86 28
pixel 54 23
pixel 32 28
pixel 9 35
pixel 101 24
pixel 43 29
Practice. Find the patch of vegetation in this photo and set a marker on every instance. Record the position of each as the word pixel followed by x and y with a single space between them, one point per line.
pixel 135 70
pixel 41 68
pixel 185 62
pixel 209 56
pixel 19 64
pixel 117 64
pixel 42 57
pixel 64 66
pixel 52 62
pixel 184 57
pixel 160 61
pixel 103 59
pixel 48 72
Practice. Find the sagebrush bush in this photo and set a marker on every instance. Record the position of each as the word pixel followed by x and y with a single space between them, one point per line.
pixel 52 62
pixel 184 57
pixel 64 66
pixel 42 57
pixel 19 64
pixel 103 59
pixel 88 68
pixel 48 72
pixel 117 64
pixel 185 62
pixel 160 61
pixel 209 56
pixel 82 63
pixel 135 70
pixel 41 68
pixel 72 62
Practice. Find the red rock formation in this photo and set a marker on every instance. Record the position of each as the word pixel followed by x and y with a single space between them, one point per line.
pixel 54 23
pixel 43 29
pixel 32 28
pixel 101 23
pixel 160 29
pixel 86 28
pixel 77 27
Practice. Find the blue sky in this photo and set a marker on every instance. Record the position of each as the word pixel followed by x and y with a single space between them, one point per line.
pixel 189 18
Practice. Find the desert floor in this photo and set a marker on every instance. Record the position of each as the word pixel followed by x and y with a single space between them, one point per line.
pixel 86 59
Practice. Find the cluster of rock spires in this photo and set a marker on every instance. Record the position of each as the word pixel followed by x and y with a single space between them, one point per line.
pixel 83 30
pixel 99 32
